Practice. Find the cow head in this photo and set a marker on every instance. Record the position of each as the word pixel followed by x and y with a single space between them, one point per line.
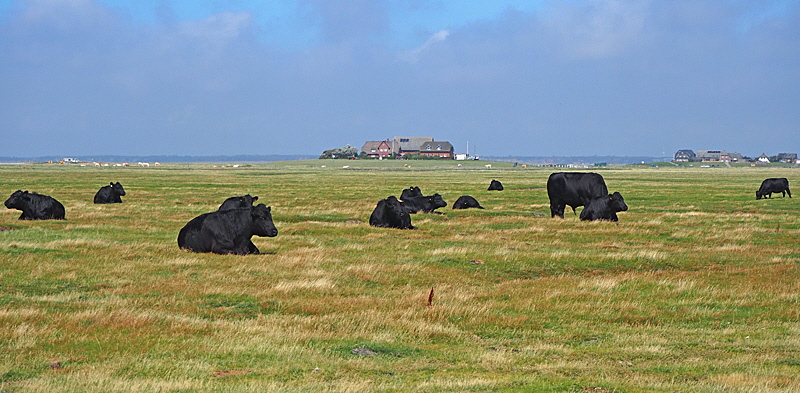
pixel 758 195
pixel 616 203
pixel 117 188
pixel 238 202
pixel 437 201
pixel 262 221
pixel 17 200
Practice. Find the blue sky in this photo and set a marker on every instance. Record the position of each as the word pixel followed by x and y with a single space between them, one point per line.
pixel 518 78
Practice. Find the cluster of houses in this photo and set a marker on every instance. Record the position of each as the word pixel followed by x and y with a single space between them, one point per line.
pixel 686 155
pixel 399 147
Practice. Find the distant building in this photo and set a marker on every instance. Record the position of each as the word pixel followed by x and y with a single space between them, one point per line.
pixel 712 156
pixel 763 158
pixel 411 144
pixel 442 149
pixel 380 149
pixel 684 155
pixel 790 158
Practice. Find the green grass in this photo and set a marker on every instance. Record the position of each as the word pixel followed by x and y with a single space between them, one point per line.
pixel 696 289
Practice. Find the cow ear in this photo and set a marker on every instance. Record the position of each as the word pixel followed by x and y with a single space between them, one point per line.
pixel 269 208
pixel 255 198
pixel 112 183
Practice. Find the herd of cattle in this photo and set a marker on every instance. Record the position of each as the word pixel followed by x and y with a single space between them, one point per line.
pixel 228 230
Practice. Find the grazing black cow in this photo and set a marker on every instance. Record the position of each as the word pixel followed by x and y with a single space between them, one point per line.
pixel 410 193
pixel 110 193
pixel 774 184
pixel 573 189
pixel 495 185
pixel 389 213
pixel 238 201
pixel 605 208
pixel 227 231
pixel 466 202
pixel 35 206
pixel 425 204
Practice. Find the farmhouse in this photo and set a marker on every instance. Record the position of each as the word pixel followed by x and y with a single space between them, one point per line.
pixel 712 156
pixel 380 149
pixel 789 158
pixel 441 149
pixel 684 155
pixel 411 144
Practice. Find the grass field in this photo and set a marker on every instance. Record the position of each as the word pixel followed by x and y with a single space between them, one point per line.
pixel 695 290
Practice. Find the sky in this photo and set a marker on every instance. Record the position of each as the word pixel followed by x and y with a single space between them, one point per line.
pixel 509 78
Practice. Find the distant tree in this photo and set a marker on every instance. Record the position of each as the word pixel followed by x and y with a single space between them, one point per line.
pixel 343 152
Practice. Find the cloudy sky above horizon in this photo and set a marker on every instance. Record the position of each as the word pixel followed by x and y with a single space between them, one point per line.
pixel 511 77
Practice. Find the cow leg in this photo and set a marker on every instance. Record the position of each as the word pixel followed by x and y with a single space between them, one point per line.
pixel 252 249
pixel 557 210
pixel 788 192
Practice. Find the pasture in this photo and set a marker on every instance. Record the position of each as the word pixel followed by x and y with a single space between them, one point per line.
pixel 696 289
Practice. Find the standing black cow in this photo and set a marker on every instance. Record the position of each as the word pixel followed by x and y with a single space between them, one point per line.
pixel 466 202
pixel 604 208
pixel 573 189
pixel 110 193
pixel 774 184
pixel 495 185
pixel 425 204
pixel 227 231
pixel 35 206
pixel 238 201
pixel 410 193
pixel 389 213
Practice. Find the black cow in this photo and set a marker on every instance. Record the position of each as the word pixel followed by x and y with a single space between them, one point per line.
pixel 410 193
pixel 390 213
pixel 605 208
pixel 774 184
pixel 35 206
pixel 573 189
pixel 425 204
pixel 466 202
pixel 110 193
pixel 238 201
pixel 227 231
pixel 495 185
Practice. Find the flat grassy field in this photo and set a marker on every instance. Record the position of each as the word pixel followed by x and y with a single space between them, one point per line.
pixel 696 289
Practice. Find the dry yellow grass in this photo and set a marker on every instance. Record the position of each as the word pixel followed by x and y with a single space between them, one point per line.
pixel 690 292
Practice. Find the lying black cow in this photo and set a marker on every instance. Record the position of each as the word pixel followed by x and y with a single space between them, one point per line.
pixel 35 206
pixel 573 189
pixel 238 201
pixel 110 193
pixel 390 213
pixel 775 184
pixel 425 204
pixel 466 202
pixel 605 208
pixel 495 185
pixel 227 231
pixel 411 193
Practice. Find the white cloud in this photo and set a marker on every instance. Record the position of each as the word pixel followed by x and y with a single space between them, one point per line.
pixel 414 55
